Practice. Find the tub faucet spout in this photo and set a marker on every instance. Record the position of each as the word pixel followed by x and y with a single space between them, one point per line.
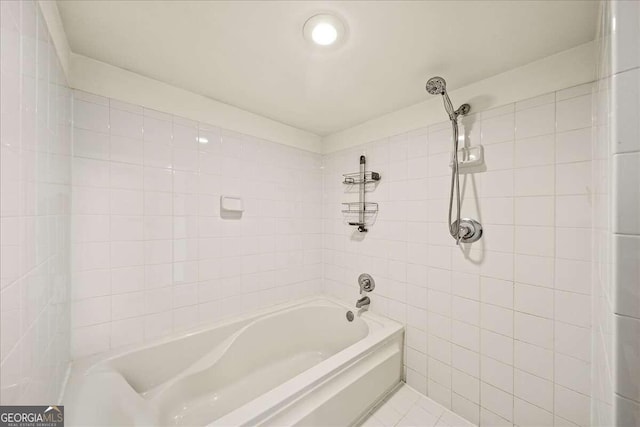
pixel 363 302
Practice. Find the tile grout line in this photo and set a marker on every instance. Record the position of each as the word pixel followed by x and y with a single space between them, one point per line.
pixel 110 230
pixel 513 282
pixel 555 256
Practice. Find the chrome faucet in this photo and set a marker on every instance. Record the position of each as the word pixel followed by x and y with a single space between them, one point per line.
pixel 366 285
pixel 363 302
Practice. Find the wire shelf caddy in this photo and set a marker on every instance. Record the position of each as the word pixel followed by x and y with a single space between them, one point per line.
pixel 359 178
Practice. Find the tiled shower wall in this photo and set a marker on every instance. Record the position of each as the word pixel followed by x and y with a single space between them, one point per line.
pixel 152 253
pixel 616 231
pixel 35 147
pixel 499 330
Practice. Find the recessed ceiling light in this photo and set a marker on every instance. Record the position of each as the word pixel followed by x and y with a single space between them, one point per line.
pixel 324 30
pixel 202 140
pixel 324 34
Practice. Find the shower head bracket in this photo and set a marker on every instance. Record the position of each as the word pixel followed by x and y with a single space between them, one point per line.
pixel 463 110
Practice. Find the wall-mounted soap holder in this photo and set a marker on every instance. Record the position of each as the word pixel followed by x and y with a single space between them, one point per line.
pixel 469 157
pixel 231 207
pixel 231 203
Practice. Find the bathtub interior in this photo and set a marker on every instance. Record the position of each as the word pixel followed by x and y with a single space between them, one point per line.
pixel 147 368
pixel 253 361
pixel 203 376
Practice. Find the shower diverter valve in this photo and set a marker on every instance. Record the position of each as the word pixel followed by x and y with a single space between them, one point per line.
pixel 470 230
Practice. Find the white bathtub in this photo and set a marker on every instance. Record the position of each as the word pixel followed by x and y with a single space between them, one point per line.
pixel 301 363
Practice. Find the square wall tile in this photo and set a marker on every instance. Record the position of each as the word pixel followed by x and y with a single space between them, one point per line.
pixel 524 413
pixel 627 412
pixel 496 129
pixel 574 341
pixel 625 108
pixel 571 405
pixel 573 211
pixel 534 300
pixel 534 360
pixel 90 116
pixel 126 150
pixel 534 330
pixel 569 372
pixel 90 144
pixel 626 193
pixel 573 113
pixel 533 389
pixel 535 121
pixel 534 181
pixel 626 275
pixel 573 178
pixel 627 357
pixel 574 145
pixel 497 373
pixel 536 151
pixel 573 308
pixel 125 123
pixel 497 401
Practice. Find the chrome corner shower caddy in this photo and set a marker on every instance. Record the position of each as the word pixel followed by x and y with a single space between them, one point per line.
pixel 465 230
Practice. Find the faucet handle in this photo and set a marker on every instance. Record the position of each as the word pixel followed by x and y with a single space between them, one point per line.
pixel 366 282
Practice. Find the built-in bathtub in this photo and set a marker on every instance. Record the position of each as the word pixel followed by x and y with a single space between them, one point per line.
pixel 301 363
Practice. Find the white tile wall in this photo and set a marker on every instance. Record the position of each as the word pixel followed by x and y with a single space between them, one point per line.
pixel 150 251
pixel 35 198
pixel 497 331
pixel 616 209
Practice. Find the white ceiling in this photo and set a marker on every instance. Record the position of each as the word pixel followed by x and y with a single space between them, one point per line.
pixel 251 54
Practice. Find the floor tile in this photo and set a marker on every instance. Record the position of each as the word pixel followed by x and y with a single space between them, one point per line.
pixel 405 407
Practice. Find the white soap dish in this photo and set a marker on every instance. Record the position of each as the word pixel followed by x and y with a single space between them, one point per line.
pixel 469 157
pixel 231 204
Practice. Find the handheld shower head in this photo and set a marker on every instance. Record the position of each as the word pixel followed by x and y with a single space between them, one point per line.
pixel 436 86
